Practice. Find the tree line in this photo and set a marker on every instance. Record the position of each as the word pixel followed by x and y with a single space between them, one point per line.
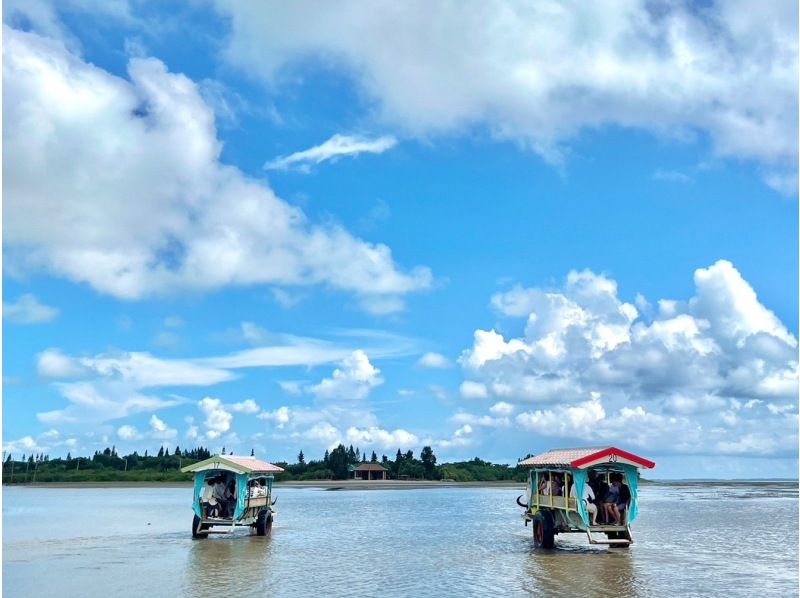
pixel 335 464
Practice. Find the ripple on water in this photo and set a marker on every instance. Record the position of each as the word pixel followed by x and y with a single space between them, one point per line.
pixel 443 542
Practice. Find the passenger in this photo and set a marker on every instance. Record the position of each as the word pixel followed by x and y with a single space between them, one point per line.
pixel 610 504
pixel 544 486
pixel 600 488
pixel 207 499
pixel 558 485
pixel 588 500
pixel 219 495
pixel 624 496
pixel 230 497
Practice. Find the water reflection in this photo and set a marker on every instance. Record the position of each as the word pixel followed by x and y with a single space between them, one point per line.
pixel 573 569
pixel 237 563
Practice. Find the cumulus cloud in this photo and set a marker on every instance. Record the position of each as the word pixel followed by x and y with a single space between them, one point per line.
pixel 203 226
pixel 378 437
pixel 354 379
pixel 473 390
pixel 501 408
pixel 53 363
pixel 434 360
pixel 27 310
pixel 248 406
pixel 719 370
pixel 127 432
pixel 218 419
pixel 280 416
pixel 333 148
pixel 672 69
pixel 111 384
pixel 160 430
pixel 43 443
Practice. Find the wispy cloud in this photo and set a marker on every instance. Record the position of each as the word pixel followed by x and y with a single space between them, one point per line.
pixel 671 176
pixel 28 310
pixel 333 148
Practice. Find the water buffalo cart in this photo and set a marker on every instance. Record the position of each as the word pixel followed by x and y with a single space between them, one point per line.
pixel 582 490
pixel 231 492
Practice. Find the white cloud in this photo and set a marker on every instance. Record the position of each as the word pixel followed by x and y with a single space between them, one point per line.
pixel 354 379
pixel 248 406
pixel 160 430
pixel 43 443
pixel 692 378
pixel 53 363
pixel 378 437
pixel 501 408
pixel 486 421
pixel 434 360
pixel 203 226
pixel 672 69
pixel 26 445
pixel 218 419
pixel 128 433
pixel 671 176
pixel 473 390
pixel 280 416
pixel 333 148
pixel 322 432
pixel 28 310
pixel 93 402
pixel 113 382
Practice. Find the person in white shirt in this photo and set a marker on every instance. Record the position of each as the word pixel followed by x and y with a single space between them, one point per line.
pixel 208 500
pixel 544 486
pixel 588 500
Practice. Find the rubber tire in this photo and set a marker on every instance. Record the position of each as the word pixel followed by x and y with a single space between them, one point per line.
pixel 264 524
pixel 196 527
pixel 543 533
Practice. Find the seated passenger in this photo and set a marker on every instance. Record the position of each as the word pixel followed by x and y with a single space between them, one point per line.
pixel 587 499
pixel 624 496
pixel 600 488
pixel 558 485
pixel 207 500
pixel 610 505
pixel 544 486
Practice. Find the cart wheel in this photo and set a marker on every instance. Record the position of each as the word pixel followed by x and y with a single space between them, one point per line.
pixel 264 524
pixel 197 527
pixel 543 532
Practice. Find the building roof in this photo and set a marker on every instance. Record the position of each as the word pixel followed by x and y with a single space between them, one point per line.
pixel 370 467
pixel 237 464
pixel 582 458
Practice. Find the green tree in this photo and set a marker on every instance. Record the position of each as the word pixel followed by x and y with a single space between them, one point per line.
pixel 374 458
pixel 301 458
pixel 428 462
pixel 161 452
pixel 338 461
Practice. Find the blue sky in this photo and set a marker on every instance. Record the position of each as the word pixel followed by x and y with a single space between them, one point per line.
pixel 490 228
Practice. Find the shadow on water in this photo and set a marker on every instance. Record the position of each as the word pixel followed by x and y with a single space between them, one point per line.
pixel 238 563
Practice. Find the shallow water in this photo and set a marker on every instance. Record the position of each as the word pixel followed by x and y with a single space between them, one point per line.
pixel 690 540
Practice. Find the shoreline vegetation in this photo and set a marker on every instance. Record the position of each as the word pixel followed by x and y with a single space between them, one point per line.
pixel 108 469
pixel 336 467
